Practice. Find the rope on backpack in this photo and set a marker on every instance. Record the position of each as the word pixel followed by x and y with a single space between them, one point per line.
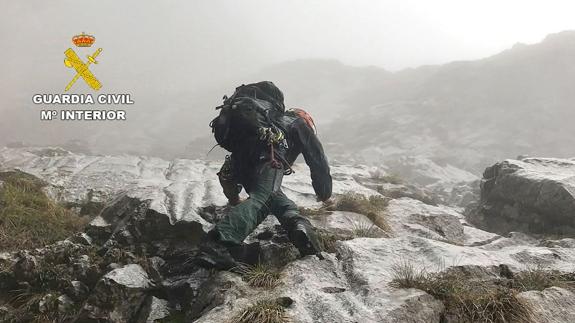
pixel 274 136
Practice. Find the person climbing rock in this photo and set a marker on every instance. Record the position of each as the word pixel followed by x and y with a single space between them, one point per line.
pixel 264 140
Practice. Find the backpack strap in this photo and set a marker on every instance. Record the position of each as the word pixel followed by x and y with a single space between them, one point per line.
pixel 305 116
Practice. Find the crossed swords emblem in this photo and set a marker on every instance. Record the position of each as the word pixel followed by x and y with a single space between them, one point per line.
pixel 82 70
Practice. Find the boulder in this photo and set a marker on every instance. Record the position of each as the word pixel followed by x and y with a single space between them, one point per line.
pixel 153 310
pixel 135 223
pixel 531 195
pixel 118 296
pixel 370 261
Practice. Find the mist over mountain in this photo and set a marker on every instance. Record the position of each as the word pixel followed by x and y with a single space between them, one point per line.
pixel 468 113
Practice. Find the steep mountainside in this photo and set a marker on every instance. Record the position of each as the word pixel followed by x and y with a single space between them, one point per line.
pixel 394 251
pixel 468 113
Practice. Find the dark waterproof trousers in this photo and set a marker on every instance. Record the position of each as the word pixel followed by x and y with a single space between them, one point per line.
pixel 266 197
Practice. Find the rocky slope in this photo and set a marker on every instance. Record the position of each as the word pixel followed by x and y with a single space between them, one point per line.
pixel 532 195
pixel 132 262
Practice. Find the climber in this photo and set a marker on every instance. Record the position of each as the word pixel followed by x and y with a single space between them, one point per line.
pixel 264 141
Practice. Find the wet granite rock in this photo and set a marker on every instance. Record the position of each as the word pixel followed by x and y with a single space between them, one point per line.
pixel 534 195
pixel 118 296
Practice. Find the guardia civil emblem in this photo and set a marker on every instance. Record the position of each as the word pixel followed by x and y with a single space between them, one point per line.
pixel 81 68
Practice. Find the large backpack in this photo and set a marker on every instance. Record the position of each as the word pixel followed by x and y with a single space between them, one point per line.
pixel 251 112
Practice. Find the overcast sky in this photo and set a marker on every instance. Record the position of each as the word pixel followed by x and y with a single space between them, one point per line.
pixel 173 46
pixel 157 50
pixel 390 34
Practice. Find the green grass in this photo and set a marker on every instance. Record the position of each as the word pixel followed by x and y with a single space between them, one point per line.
pixel 259 275
pixel 264 311
pixel 28 217
pixel 465 299
pixel 373 207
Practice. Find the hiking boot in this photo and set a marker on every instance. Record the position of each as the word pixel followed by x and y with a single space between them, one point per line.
pixel 214 254
pixel 304 238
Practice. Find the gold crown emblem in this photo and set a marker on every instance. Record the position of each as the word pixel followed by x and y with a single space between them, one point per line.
pixel 83 40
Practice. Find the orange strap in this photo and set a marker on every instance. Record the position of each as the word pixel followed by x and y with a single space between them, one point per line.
pixel 306 117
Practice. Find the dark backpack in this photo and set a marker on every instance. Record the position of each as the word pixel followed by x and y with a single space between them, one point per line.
pixel 251 109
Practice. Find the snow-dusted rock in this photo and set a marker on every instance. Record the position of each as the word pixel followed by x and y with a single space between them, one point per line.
pixel 353 285
pixel 422 179
pixel 371 260
pixel 160 209
pixel 130 276
pixel 154 310
pixel 177 188
pixel 408 216
pixel 321 292
pixel 530 195
pixel 345 223
pixel 118 296
pixel 552 305
pixel 476 237
pixel 561 243
pixel 149 200
pixel 448 183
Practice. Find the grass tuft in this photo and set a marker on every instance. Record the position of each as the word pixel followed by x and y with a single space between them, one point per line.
pixel 538 278
pixel 259 275
pixel 465 299
pixel 264 311
pixel 407 275
pixel 391 178
pixel 489 303
pixel 328 239
pixel 364 229
pixel 373 207
pixel 28 304
pixel 28 217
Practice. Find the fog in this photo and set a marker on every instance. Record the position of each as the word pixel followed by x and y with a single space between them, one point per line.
pixel 177 58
